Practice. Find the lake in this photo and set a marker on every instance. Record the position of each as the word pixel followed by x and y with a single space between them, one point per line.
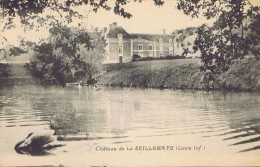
pixel 119 126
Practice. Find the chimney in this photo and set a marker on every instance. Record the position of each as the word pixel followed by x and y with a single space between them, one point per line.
pixel 114 24
pixel 164 31
pixel 105 30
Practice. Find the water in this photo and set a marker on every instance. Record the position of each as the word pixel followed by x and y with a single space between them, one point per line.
pixel 212 125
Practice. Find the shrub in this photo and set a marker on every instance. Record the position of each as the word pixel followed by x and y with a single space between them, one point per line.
pixel 136 58
pixel 4 70
pixel 242 75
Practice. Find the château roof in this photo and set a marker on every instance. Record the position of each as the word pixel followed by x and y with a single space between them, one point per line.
pixel 151 36
pixel 115 30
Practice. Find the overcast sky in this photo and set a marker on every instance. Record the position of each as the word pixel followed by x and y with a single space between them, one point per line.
pixel 147 18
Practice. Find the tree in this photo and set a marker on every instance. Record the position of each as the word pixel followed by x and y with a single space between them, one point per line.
pixel 4 70
pixel 59 56
pixel 95 56
pixel 233 35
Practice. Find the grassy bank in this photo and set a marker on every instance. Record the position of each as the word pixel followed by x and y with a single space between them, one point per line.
pixel 149 64
pixel 183 74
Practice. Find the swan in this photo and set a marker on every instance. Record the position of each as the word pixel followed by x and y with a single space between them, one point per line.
pixel 37 143
pixel 79 84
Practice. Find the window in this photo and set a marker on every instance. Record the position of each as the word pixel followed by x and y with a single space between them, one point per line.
pixel 150 50
pixel 170 40
pixel 120 49
pixel 170 48
pixel 170 53
pixel 140 47
pixel 161 48
pixel 160 40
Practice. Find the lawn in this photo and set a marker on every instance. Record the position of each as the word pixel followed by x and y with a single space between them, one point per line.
pixel 155 64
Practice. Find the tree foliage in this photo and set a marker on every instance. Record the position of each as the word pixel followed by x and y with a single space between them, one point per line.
pixel 30 9
pixel 16 51
pixel 95 56
pixel 59 57
pixel 234 34
pixel 4 70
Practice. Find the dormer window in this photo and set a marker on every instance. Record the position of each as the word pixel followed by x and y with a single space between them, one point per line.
pixel 160 40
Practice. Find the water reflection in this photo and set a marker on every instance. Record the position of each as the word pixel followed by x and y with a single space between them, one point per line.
pixel 242 112
pixel 130 115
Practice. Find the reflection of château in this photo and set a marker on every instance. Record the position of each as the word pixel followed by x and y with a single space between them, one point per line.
pixel 122 46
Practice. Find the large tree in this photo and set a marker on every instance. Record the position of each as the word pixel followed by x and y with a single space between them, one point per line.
pixel 234 34
pixel 96 55
pixel 59 56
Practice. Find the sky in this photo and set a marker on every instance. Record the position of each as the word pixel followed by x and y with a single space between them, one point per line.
pixel 147 18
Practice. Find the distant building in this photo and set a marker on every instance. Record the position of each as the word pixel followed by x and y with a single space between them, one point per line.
pixel 122 46
pixel 183 40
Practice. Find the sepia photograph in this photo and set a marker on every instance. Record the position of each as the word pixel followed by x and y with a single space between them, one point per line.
pixel 129 83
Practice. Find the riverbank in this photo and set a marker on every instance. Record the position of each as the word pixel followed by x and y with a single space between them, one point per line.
pixel 244 75
pixel 18 75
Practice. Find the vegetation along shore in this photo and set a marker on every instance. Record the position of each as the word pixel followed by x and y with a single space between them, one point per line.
pixel 244 75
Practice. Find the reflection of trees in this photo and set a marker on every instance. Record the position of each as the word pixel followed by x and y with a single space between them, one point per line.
pixel 242 112
pixel 233 116
pixel 64 120
pixel 60 111
pixel 68 112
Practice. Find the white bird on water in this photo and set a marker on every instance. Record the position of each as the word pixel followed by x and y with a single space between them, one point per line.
pixel 79 86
